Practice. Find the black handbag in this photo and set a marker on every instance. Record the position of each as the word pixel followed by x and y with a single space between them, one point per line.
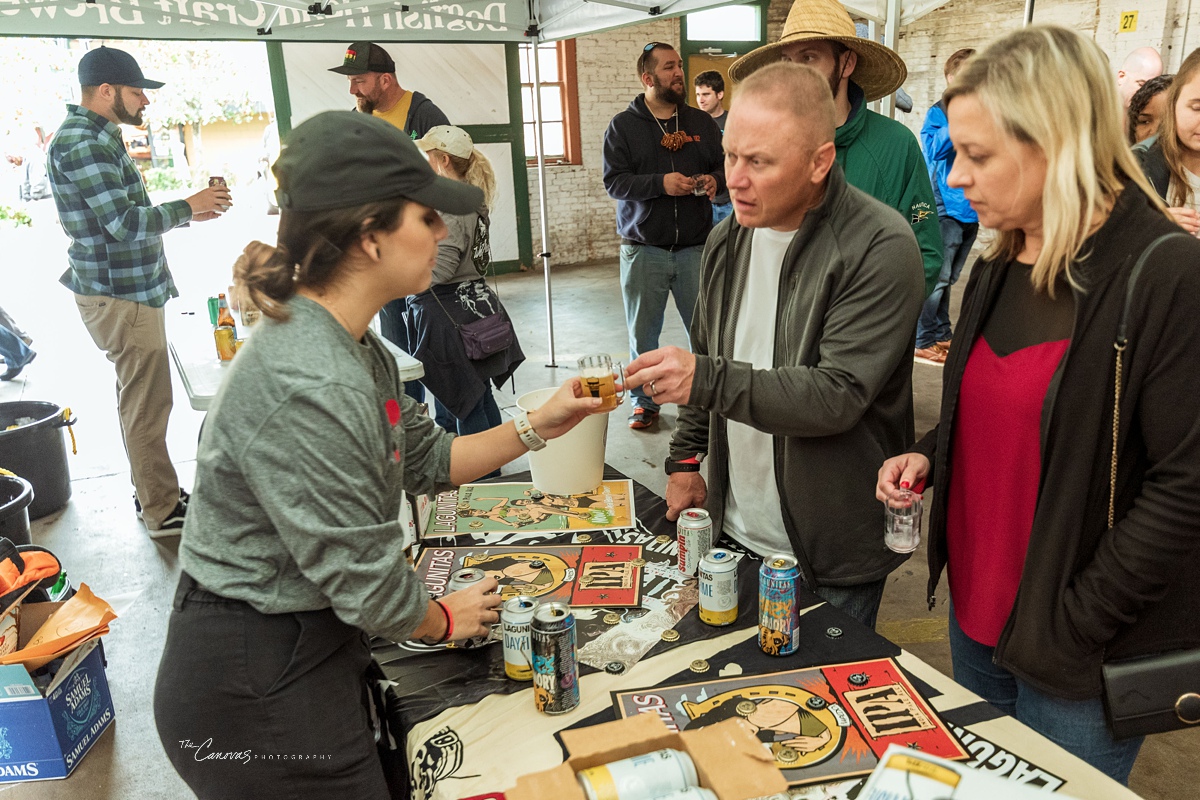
pixel 1153 693
pixel 491 334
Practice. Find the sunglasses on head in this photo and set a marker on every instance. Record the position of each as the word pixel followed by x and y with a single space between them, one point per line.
pixel 653 45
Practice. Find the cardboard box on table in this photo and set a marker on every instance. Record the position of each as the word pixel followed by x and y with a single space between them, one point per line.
pixel 729 759
pixel 43 737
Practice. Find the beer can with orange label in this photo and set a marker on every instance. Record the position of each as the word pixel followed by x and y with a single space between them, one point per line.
pixel 225 342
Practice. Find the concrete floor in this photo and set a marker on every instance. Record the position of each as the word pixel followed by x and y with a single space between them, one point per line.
pixel 101 542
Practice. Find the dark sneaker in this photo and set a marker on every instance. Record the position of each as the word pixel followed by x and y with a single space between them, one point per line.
pixel 137 506
pixel 642 418
pixel 173 524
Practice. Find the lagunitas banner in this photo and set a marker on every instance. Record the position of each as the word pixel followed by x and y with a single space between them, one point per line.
pixel 333 20
pixel 326 20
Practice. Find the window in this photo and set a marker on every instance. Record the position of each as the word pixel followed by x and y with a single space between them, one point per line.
pixel 560 102
pixel 725 24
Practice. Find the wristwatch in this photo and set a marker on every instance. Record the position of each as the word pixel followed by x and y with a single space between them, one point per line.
pixel 526 432
pixel 686 465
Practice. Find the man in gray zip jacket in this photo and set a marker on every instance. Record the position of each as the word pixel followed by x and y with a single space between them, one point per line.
pixel 800 377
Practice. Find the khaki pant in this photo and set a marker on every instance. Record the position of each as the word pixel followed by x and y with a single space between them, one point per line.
pixel 134 338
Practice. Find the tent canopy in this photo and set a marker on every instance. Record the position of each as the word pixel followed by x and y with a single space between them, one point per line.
pixel 376 20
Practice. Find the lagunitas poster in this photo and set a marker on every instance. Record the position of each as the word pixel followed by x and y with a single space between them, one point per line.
pixel 821 724
pixel 476 508
pixel 586 576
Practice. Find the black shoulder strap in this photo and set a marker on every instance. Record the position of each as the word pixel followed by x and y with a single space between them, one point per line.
pixel 1123 326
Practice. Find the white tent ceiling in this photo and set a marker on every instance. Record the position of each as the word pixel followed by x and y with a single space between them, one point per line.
pixel 377 20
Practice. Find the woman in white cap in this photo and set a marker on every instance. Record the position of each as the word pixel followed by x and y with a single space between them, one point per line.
pixel 293 552
pixel 458 329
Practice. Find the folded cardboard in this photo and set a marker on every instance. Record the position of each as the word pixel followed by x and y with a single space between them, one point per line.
pixel 729 758
pixel 44 736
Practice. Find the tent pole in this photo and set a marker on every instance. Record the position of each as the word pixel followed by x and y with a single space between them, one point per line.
pixel 539 146
pixel 1028 12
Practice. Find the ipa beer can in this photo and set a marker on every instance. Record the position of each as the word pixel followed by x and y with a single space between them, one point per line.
pixel 695 538
pixel 645 777
pixel 718 588
pixel 516 615
pixel 778 611
pixel 225 342
pixel 464 578
pixel 555 671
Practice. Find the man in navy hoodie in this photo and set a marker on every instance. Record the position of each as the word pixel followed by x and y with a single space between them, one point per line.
pixel 663 164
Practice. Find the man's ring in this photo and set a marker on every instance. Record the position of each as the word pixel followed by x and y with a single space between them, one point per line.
pixel 653 391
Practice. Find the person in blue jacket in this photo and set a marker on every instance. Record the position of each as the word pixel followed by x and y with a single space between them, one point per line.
pixel 958 222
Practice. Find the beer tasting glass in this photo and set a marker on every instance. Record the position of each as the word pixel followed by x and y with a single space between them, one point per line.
pixel 699 189
pixel 597 374
pixel 902 532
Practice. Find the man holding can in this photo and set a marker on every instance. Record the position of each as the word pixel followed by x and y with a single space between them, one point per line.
pixel 800 372
pixel 118 271
pixel 662 164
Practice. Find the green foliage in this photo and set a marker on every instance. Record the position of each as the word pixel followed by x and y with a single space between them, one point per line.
pixel 16 216
pixel 166 178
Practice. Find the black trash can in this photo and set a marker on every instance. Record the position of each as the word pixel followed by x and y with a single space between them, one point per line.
pixel 15 496
pixel 37 452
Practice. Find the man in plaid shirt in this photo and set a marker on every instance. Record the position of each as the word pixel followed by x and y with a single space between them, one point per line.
pixel 117 268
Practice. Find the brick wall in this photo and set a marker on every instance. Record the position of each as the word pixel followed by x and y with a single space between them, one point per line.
pixel 582 217
pixel 927 43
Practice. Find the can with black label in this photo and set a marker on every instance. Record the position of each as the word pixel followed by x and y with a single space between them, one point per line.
pixel 718 588
pixel 555 670
pixel 516 616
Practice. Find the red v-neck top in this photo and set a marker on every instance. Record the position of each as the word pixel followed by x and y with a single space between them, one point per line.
pixel 996 452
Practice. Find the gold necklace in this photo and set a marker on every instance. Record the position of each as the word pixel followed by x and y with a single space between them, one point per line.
pixel 672 141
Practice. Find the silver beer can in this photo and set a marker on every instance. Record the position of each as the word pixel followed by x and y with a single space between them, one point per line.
pixel 516 616
pixel 695 536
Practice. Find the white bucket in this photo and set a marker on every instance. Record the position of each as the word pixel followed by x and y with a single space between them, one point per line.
pixel 574 462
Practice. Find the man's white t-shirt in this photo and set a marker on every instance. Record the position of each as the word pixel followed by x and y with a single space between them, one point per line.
pixel 753 516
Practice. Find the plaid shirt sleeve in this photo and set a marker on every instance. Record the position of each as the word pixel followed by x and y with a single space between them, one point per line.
pixel 99 182
pixel 116 245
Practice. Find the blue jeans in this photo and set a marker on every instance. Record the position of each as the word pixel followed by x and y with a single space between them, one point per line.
pixel 1077 726
pixel 721 211
pixel 392 328
pixel 15 352
pixel 648 275
pixel 860 602
pixel 934 323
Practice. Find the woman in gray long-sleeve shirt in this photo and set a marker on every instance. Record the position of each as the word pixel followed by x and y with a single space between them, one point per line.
pixel 293 550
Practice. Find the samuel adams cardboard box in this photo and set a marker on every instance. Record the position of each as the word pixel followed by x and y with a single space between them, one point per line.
pixel 43 737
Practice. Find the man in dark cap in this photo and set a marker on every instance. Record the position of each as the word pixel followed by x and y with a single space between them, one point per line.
pixel 373 82
pixel 372 74
pixel 117 268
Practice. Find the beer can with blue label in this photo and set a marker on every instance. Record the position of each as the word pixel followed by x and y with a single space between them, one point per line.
pixel 555 670
pixel 516 616
pixel 778 611
pixel 718 588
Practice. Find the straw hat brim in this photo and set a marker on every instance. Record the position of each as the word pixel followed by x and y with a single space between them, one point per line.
pixel 879 72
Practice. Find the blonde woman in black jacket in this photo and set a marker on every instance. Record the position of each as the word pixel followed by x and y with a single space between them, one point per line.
pixel 1042 589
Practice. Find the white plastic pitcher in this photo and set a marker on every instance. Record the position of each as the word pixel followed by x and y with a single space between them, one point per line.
pixel 574 462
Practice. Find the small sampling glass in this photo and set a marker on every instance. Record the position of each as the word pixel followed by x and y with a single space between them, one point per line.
pixel 700 188
pixel 902 532
pixel 598 375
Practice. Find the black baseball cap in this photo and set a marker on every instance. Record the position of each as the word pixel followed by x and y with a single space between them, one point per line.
pixel 113 66
pixel 364 57
pixel 341 159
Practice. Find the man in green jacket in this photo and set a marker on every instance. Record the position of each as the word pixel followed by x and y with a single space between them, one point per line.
pixel 877 154
pixel 802 336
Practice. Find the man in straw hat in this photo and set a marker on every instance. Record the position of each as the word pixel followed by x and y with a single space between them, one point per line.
pixel 879 155
pixel 801 370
